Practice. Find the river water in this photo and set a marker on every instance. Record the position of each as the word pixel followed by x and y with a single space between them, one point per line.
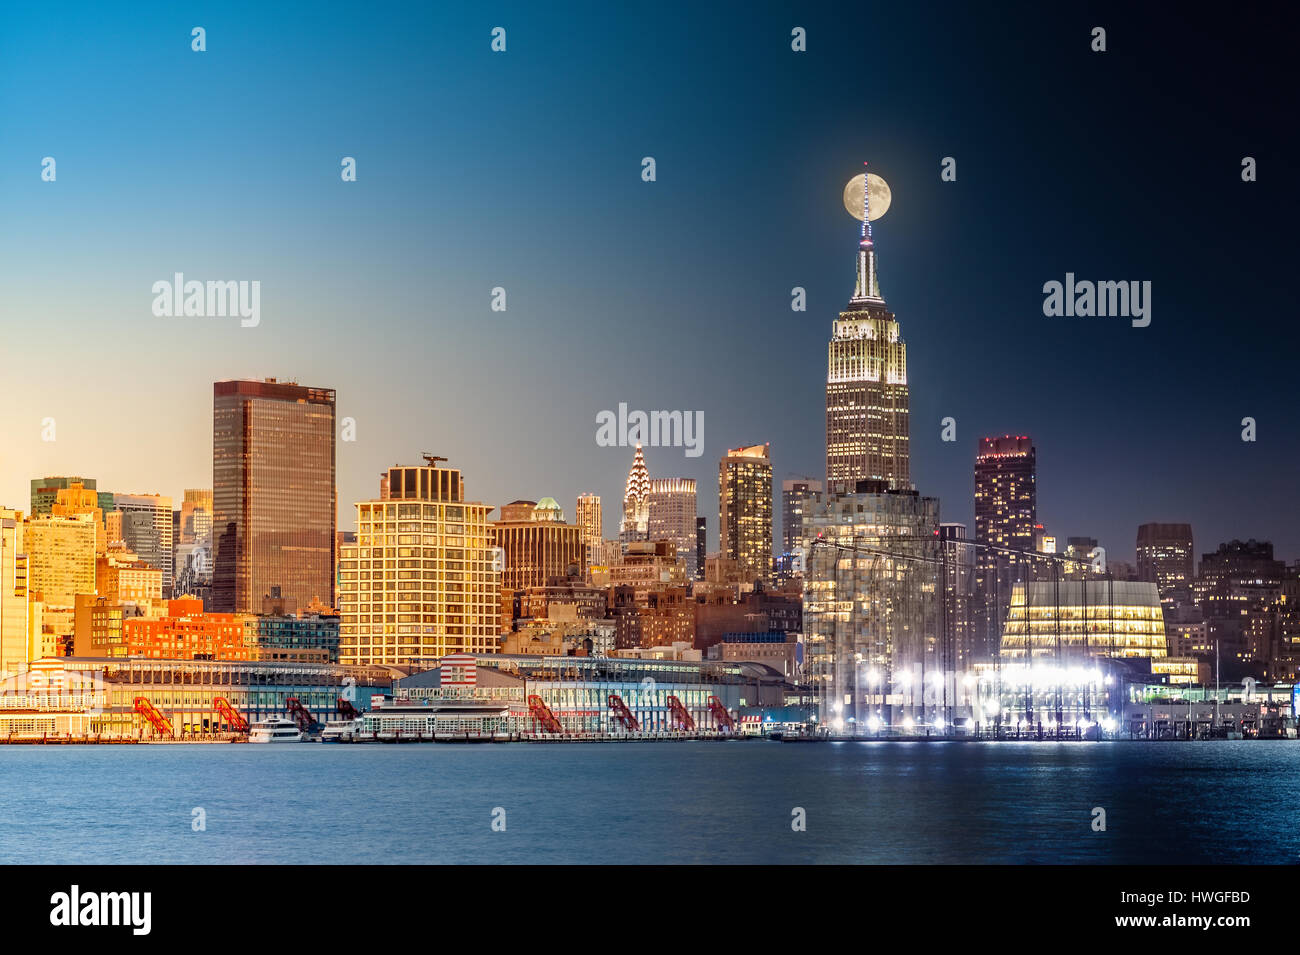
pixel 735 802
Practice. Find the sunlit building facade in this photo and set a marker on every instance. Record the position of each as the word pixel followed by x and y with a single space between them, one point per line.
pixel 147 530
pixel 421 580
pixel 867 428
pixel 588 516
pixel 45 492
pixel 273 493
pixel 538 547
pixel 77 499
pixel 13 594
pixel 61 557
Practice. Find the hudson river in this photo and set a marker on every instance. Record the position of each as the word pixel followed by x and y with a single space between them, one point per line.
pixel 652 802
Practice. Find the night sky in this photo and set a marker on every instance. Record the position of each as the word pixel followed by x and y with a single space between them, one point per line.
pixel 523 170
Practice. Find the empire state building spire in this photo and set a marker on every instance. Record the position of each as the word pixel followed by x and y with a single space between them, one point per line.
pixel 868 286
pixel 867 401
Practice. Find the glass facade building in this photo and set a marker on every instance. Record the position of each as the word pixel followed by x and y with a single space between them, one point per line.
pixel 273 497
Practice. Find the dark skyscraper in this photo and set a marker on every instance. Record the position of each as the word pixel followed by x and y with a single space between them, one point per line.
pixel 701 545
pixel 273 496
pixel 866 384
pixel 1165 556
pixel 1006 515
pixel 793 492
pixel 1237 589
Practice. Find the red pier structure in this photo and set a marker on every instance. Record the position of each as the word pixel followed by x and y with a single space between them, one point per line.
pixel 622 713
pixel 231 715
pixel 161 725
pixel 720 715
pixel 542 715
pixel 681 719
pixel 299 714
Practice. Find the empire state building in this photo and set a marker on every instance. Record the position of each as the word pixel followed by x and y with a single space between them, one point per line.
pixel 866 385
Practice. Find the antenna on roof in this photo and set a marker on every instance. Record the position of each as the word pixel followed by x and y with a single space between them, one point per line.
pixel 430 458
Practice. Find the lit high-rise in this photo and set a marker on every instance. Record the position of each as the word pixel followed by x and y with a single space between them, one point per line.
pixel 421 580
pixel 273 497
pixel 1006 516
pixel 1165 556
pixel 866 385
pixel 745 510
pixel 671 516
pixel 589 517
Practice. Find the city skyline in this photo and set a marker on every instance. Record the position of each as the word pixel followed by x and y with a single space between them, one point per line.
pixel 1147 434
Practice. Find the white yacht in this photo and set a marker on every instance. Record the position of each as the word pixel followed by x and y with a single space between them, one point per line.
pixel 336 730
pixel 276 729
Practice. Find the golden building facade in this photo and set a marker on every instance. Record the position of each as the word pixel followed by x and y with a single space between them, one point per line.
pixel 537 548
pixel 421 580
pixel 61 557
pixel 1075 620
pixel 745 509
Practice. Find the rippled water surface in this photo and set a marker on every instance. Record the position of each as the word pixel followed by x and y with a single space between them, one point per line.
pixel 653 802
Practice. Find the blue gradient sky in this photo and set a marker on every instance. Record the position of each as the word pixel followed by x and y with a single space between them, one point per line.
pixel 523 170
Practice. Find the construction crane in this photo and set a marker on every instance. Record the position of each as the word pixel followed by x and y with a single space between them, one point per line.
pixel 542 714
pixel 228 713
pixel 151 713
pixel 681 719
pixel 622 713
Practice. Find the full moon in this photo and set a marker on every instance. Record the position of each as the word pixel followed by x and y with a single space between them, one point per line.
pixel 880 196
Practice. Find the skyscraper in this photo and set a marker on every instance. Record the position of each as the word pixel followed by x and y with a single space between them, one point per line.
pixel 745 509
pixel 61 557
pixel 672 512
pixel 14 610
pixel 1006 516
pixel 1237 589
pixel 701 545
pixel 536 544
pixel 870 618
pixel 1165 556
pixel 635 524
pixel 147 530
pixel 866 385
pixel 588 516
pixel 273 497
pixel 421 580
pixel 793 491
